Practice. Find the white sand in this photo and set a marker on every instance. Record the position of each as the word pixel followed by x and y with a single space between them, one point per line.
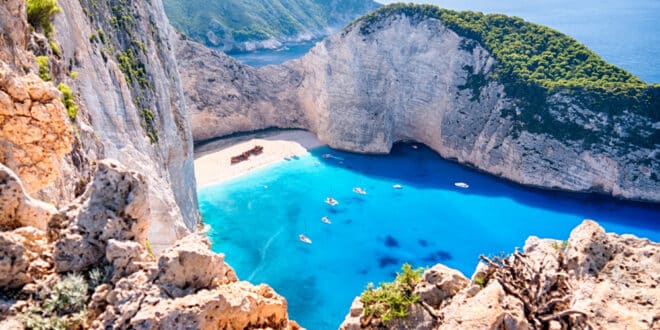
pixel 212 160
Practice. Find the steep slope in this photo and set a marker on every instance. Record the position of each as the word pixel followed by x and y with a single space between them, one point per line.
pixel 248 25
pixel 119 97
pixel 131 105
pixel 454 82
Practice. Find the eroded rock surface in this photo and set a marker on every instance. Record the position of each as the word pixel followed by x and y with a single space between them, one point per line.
pixel 103 237
pixel 18 208
pixel 594 279
pixel 35 133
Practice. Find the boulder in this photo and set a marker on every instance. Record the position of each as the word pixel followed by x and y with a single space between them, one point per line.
pixel 114 207
pixel 440 283
pixel 17 208
pixel 191 264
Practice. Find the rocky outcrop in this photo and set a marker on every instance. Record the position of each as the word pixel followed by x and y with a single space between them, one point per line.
pixel 18 208
pixel 593 279
pixel 126 103
pixel 24 256
pixel 114 207
pixel 35 132
pixel 416 79
pixel 102 237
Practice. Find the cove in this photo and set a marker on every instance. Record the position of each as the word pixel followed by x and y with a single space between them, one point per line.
pixel 256 219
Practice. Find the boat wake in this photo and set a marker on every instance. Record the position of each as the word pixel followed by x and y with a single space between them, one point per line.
pixel 262 254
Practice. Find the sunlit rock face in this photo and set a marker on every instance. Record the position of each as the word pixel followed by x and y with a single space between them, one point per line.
pixel 593 279
pixel 413 80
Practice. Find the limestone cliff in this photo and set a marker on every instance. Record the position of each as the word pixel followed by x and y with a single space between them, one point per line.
pixel 400 76
pixel 593 280
pixel 121 98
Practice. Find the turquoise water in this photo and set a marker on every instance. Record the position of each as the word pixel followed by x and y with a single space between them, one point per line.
pixel 624 33
pixel 264 57
pixel 256 221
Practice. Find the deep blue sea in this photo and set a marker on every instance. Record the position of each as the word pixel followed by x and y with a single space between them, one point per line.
pixel 625 33
pixel 256 220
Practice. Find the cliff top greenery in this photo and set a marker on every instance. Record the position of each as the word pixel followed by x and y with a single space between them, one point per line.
pixel 246 20
pixel 531 52
pixel 533 63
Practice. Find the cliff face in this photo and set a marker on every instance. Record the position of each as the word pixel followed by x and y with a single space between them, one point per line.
pixel 410 79
pixel 130 102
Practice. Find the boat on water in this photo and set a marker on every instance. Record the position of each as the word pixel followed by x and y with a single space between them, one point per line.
pixel 331 201
pixel 329 156
pixel 304 239
pixel 462 185
pixel 359 191
pixel 414 146
pixel 326 220
pixel 397 186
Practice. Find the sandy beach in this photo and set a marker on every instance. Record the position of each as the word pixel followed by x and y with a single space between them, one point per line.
pixel 212 160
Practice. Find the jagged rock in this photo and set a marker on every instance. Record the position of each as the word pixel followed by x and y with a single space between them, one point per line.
pixel 17 209
pixel 192 288
pixel 596 280
pixel 237 305
pixel 191 264
pixel 114 207
pixel 440 283
pixel 491 308
pixel 36 133
pixel 588 249
pixel 24 256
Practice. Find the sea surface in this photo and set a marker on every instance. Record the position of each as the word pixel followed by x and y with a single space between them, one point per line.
pixel 624 33
pixel 256 220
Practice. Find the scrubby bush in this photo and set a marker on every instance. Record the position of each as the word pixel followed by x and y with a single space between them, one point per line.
pixel 69 101
pixel 64 307
pixel 40 12
pixel 392 300
pixel 44 68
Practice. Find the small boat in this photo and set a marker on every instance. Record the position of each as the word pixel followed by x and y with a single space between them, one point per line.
pixel 331 201
pixel 397 186
pixel 326 220
pixel 462 185
pixel 414 146
pixel 359 191
pixel 304 239
pixel 327 156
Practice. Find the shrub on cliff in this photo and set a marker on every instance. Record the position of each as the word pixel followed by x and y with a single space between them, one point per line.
pixel 62 308
pixel 392 300
pixel 69 102
pixel 40 12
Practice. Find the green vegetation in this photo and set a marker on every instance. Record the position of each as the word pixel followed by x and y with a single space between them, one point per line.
pixel 243 20
pixel 133 68
pixel 44 68
pixel 54 48
pixel 69 101
pixel 64 307
pixel 40 13
pixel 392 300
pixel 535 63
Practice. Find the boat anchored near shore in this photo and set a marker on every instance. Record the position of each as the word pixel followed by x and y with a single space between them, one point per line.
pixel 359 191
pixel 462 185
pixel 331 201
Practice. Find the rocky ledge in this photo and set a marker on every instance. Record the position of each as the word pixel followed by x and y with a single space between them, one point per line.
pixel 90 265
pixel 594 280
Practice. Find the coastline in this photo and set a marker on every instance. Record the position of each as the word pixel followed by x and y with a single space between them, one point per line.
pixel 212 159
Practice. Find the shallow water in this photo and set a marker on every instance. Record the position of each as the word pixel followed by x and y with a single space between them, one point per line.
pixel 624 33
pixel 256 221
